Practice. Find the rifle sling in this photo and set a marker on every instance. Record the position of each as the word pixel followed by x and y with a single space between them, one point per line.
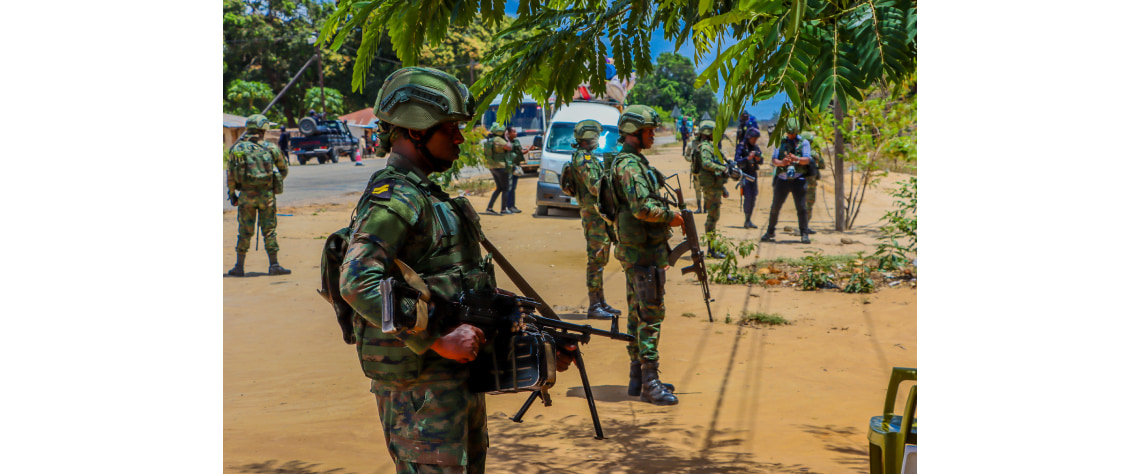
pixel 518 279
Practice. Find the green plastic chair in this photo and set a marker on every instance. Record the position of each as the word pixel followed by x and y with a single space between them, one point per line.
pixel 889 434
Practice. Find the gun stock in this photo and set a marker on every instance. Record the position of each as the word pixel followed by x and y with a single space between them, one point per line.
pixel 692 245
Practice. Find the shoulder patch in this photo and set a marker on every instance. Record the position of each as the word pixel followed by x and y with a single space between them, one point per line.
pixel 382 189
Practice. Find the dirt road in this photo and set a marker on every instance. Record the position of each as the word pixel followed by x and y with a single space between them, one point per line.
pixel 786 399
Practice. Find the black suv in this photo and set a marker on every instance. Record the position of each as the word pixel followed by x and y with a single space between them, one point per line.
pixel 326 140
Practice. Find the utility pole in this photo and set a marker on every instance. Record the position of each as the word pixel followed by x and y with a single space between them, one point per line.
pixel 320 70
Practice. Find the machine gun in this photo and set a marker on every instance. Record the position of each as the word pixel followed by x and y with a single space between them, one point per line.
pixel 522 353
pixel 692 245
pixel 736 173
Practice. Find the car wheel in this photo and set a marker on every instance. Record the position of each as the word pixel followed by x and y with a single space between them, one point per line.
pixel 334 156
pixel 321 159
pixel 541 210
pixel 308 126
pixel 302 160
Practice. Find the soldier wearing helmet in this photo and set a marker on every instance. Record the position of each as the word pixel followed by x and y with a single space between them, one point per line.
pixel 408 229
pixel 582 174
pixel 793 163
pixel 256 168
pixel 748 158
pixel 643 228
pixel 712 173
pixel 498 152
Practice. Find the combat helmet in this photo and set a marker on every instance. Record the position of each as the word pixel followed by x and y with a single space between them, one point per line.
pixel 707 127
pixel 258 122
pixel 752 132
pixel 792 126
pixel 637 117
pixel 587 129
pixel 498 129
pixel 419 98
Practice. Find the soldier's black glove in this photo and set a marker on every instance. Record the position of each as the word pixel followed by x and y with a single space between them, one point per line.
pixel 233 199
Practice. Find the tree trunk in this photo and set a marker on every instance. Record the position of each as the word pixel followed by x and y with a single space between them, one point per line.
pixel 838 170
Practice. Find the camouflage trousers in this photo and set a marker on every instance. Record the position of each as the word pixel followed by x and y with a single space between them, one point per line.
pixel 811 181
pixel 713 196
pixel 645 317
pixel 438 427
pixel 597 249
pixel 257 207
pixel 697 190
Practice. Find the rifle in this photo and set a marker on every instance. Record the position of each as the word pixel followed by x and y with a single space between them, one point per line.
pixel 520 355
pixel 692 245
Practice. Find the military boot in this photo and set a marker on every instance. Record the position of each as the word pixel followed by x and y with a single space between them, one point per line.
pixel 610 309
pixel 768 237
pixel 275 268
pixel 597 311
pixel 804 239
pixel 239 268
pixel 652 390
pixel 714 253
pixel 635 380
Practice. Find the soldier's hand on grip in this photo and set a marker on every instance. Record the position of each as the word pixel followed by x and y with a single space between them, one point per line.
pixel 565 357
pixel 233 199
pixel 461 344
pixel 677 220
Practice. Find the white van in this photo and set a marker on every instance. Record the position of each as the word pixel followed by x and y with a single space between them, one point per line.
pixel 557 150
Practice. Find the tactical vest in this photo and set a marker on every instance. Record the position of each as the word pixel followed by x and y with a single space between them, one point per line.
pixel 630 230
pixel 588 167
pixel 453 264
pixel 794 147
pixel 254 165
pixel 495 158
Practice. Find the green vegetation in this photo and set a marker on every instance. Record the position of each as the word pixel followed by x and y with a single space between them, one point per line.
pixel 669 85
pixel 902 225
pixel 817 273
pixel 727 270
pixel 860 279
pixel 763 319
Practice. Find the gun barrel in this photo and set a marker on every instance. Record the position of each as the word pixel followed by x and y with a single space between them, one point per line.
pixel 581 328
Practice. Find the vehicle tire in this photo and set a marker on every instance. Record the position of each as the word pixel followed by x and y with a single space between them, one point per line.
pixel 541 210
pixel 308 126
pixel 302 159
pixel 334 156
pixel 321 159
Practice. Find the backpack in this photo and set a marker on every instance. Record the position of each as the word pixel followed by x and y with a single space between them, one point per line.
pixel 254 166
pixel 696 158
pixel 607 199
pixel 567 182
pixel 332 256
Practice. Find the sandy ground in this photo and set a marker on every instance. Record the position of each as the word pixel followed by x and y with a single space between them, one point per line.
pixel 786 399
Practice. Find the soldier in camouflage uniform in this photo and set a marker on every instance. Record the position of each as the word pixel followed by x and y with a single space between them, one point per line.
pixel 713 173
pixel 498 152
pixel 792 159
pixel 517 158
pixel 407 228
pixel 253 167
pixel 643 230
pixel 584 169
pixel 813 178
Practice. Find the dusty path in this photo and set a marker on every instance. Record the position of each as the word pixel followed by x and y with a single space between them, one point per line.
pixel 787 399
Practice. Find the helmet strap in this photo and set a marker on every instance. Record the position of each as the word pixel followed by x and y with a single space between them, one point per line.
pixel 437 164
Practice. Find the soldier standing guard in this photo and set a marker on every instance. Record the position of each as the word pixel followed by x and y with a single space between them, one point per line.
pixel 713 175
pixel 256 168
pixel 584 170
pixel 643 222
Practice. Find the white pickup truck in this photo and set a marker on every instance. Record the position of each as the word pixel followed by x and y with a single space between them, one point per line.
pixel 557 151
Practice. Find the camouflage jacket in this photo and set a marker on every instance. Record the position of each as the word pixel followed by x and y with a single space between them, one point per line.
pixel 643 217
pixel 498 151
pixel 405 216
pixel 252 163
pixel 586 167
pixel 712 166
pixel 516 154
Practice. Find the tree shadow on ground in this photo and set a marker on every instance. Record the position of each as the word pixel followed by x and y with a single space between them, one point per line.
pixel 848 443
pixel 637 446
pixel 291 467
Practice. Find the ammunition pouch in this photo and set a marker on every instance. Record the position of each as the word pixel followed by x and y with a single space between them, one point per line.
pixel 515 362
pixel 649 284
pixel 278 183
pixel 398 308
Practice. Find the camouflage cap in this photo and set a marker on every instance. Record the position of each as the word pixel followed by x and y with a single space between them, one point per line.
pixel 258 122
pixel 419 98
pixel 498 129
pixel 587 129
pixel 637 117
pixel 707 127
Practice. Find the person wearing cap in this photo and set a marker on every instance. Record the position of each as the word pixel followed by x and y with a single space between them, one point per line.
pixel 748 158
pixel 408 229
pixel 709 165
pixel 793 162
pixel 254 172
pixel 644 224
pixel 497 150
pixel 586 166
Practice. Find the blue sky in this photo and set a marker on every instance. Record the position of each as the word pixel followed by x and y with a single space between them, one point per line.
pixel 658 44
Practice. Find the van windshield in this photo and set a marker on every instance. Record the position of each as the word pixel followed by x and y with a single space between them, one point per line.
pixel 562 136
pixel 527 119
